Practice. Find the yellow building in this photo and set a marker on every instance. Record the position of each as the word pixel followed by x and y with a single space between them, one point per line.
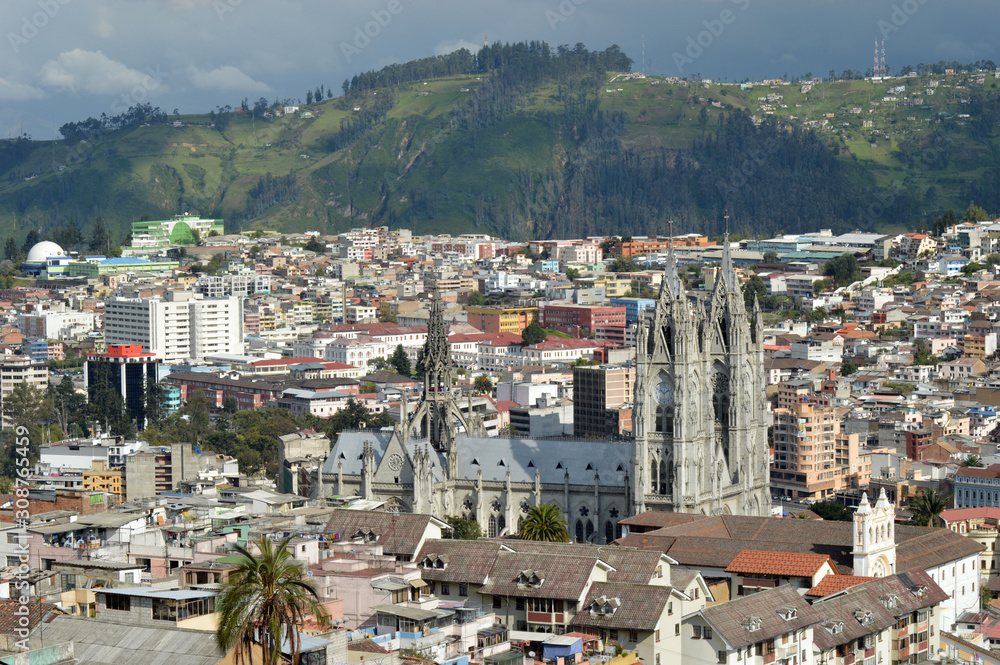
pixel 502 319
pixel 102 479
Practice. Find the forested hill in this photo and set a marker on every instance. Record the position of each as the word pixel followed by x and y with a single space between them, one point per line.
pixel 526 141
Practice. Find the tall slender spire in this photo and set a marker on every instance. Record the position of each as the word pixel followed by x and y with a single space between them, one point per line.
pixel 728 271
pixel 672 278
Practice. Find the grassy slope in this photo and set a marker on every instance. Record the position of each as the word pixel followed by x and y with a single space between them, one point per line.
pixel 146 170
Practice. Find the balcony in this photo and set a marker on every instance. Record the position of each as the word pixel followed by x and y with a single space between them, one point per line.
pixel 546 617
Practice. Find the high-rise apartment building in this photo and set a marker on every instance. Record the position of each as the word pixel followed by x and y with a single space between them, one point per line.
pixel 812 459
pixel 128 369
pixel 15 370
pixel 180 327
pixel 598 391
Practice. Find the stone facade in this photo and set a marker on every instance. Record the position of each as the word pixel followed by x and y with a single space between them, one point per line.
pixel 700 442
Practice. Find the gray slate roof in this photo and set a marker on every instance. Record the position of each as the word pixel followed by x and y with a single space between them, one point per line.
pixel 105 642
pixel 641 606
pixel 494 455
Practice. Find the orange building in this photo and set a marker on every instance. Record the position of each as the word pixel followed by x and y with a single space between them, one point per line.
pixel 640 245
pixel 502 319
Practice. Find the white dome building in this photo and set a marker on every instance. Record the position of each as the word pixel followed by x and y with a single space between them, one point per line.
pixel 43 251
pixel 39 255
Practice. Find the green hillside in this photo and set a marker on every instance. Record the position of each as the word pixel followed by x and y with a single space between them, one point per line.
pixel 528 143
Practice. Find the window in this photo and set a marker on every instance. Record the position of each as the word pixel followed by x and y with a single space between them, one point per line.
pixel 496 602
pixel 519 604
pixel 463 589
pixel 677 629
pixel 695 594
pixel 657 659
pixel 657 635
pixel 633 635
pixel 697 633
pixel 670 607
pixel 722 656
pixel 116 602
pixel 613 636
pixel 445 589
pixel 706 633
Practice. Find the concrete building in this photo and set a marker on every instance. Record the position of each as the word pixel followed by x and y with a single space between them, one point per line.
pixel 180 327
pixel 502 319
pixel 15 370
pixel 596 391
pixel 179 230
pixel 812 459
pixel 129 370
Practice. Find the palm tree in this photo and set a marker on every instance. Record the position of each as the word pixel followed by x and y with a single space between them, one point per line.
pixel 265 599
pixel 544 522
pixel 926 506
pixel 973 461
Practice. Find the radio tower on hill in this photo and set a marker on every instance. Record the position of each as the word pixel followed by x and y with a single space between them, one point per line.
pixel 879 72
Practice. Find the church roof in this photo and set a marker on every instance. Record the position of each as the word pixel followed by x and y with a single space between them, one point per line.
pixel 495 455
pixel 716 541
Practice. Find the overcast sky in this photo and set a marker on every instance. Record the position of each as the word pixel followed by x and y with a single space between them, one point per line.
pixel 64 60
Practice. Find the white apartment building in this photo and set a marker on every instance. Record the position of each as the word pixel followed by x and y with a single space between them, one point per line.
pixel 823 348
pixel 356 351
pixel 17 369
pixel 58 325
pixel 358 313
pixel 183 327
pixel 220 286
pixel 871 300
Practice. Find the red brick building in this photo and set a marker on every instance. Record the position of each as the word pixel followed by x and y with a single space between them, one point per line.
pixel 573 318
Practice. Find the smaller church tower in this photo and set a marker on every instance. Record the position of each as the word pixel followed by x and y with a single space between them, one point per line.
pixel 874 538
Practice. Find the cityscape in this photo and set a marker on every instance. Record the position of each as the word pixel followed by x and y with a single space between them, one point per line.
pixel 548 333
pixel 806 419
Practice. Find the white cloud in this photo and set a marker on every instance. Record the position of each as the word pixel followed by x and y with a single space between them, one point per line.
pixel 104 28
pixel 443 48
pixel 92 72
pixel 13 91
pixel 226 78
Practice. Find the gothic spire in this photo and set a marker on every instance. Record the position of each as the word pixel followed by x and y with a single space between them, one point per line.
pixel 670 274
pixel 728 275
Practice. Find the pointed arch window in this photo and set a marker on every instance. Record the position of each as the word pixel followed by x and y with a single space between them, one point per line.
pixel 492 530
pixel 609 532
pixel 663 477
pixel 590 530
pixel 669 335
pixel 501 524
pixel 579 531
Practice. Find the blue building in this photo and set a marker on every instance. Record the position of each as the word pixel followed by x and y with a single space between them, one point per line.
pixel 633 307
pixel 977 487
pixel 37 348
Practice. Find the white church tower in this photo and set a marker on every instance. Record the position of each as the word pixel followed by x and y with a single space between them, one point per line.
pixel 874 538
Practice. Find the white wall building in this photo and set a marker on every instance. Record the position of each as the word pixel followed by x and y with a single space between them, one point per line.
pixel 182 327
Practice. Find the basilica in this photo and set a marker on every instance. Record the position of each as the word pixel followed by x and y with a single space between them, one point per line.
pixel 699 440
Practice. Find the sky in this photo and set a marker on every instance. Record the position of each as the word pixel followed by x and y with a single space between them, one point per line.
pixel 65 60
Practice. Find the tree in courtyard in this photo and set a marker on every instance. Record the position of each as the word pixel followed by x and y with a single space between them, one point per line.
pixel 544 522
pixel 462 529
pixel 926 507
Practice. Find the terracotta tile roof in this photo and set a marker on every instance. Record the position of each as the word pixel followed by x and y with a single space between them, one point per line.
pixel 9 622
pixel 639 606
pixel 836 583
pixel 781 564
pixel 716 541
pixel 366 646
pixel 992 471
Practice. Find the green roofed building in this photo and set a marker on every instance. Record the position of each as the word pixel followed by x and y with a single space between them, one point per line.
pixel 179 230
